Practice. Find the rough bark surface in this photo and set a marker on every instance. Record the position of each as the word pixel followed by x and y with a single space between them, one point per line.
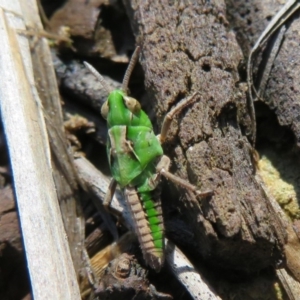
pixel 282 92
pixel 187 47
pixel 277 78
pixel 249 18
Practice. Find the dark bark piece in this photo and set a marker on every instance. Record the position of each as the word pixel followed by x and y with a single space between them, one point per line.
pixel 250 18
pixel 188 48
pixel 13 270
pixel 276 75
pixel 282 92
pixel 78 83
pixel 79 16
pixel 97 240
pixel 10 236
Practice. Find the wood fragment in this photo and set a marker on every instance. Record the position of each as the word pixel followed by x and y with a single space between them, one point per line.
pixel 47 251
pixel 187 275
pixel 291 286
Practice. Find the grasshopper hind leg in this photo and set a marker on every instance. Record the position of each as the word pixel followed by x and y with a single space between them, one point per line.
pixel 174 111
pixel 163 169
pixel 164 164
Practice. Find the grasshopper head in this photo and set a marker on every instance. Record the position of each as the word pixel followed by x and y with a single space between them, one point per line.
pixel 113 100
pixel 120 109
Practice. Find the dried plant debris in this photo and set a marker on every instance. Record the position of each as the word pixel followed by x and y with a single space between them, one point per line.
pixel 125 278
pixel 115 274
pixel 76 123
pixel 261 287
pixel 76 81
pixel 80 16
pixel 91 25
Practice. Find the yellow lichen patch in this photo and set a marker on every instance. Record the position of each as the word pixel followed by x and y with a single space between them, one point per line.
pixel 281 176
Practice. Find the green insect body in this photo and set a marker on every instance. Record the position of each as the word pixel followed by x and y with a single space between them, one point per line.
pixel 133 150
pixel 132 145
pixel 137 163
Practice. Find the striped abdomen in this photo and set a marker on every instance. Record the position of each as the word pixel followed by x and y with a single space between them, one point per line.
pixel 147 217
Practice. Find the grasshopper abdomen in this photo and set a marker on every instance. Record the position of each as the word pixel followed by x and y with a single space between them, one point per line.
pixel 148 225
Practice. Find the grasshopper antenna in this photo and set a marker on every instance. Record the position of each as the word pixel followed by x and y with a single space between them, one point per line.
pixel 132 63
pixel 98 76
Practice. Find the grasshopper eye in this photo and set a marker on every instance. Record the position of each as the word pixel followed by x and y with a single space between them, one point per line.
pixel 104 110
pixel 132 104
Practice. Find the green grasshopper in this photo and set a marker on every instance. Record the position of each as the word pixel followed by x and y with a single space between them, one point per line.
pixel 137 162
